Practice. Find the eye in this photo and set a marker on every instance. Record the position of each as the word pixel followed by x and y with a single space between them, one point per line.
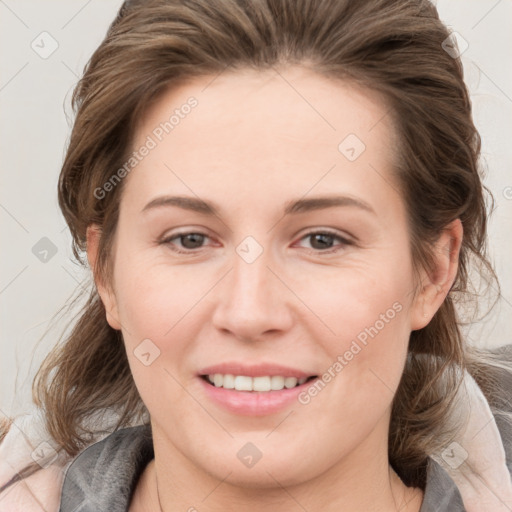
pixel 322 241
pixel 188 241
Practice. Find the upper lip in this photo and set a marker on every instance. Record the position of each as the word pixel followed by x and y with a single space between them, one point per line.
pixel 254 370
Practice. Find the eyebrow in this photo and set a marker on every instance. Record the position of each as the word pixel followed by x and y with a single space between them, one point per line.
pixel 291 207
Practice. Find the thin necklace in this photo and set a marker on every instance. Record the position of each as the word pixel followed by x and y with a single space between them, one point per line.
pixel 158 493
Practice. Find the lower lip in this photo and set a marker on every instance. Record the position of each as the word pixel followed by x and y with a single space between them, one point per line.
pixel 253 403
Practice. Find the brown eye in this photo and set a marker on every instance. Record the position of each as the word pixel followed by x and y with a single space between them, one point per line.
pixel 187 241
pixel 321 240
pixel 324 242
pixel 192 240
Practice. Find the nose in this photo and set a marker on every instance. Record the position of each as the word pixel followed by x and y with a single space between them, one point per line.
pixel 252 301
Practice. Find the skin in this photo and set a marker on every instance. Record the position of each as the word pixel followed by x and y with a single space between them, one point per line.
pixel 251 145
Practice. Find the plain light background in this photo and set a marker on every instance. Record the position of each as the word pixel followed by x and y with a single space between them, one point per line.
pixel 35 121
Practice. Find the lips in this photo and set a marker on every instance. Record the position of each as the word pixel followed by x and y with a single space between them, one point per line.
pixel 253 389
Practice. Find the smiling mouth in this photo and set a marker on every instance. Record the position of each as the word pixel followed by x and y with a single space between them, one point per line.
pixel 259 384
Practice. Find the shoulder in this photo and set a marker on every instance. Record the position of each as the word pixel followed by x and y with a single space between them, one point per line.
pixel 473 472
pixel 124 446
pixel 40 492
pixel 33 466
pixel 501 359
pixel 104 475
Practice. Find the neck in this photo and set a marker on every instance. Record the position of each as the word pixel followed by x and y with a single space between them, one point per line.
pixel 171 483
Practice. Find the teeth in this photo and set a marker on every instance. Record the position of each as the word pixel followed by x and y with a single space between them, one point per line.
pixel 244 383
pixel 228 382
pixel 290 382
pixel 261 383
pixel 276 382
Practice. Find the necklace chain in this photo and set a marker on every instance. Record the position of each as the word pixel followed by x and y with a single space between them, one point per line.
pixel 158 494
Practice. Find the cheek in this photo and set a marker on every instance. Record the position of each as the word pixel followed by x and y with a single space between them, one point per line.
pixel 361 304
pixel 159 328
pixel 152 305
pixel 151 298
pixel 365 332
pixel 365 348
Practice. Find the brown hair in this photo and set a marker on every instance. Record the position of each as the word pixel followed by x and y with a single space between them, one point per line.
pixel 392 47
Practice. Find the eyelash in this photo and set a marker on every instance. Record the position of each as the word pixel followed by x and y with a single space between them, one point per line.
pixel 344 241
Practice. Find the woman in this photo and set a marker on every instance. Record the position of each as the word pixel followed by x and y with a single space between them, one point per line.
pixel 280 204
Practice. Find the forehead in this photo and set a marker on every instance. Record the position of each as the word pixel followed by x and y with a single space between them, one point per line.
pixel 274 100
pixel 284 129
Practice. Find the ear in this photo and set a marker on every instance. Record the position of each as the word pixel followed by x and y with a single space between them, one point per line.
pixel 105 291
pixel 436 284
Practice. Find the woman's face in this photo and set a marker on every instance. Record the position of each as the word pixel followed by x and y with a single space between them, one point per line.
pixel 304 270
